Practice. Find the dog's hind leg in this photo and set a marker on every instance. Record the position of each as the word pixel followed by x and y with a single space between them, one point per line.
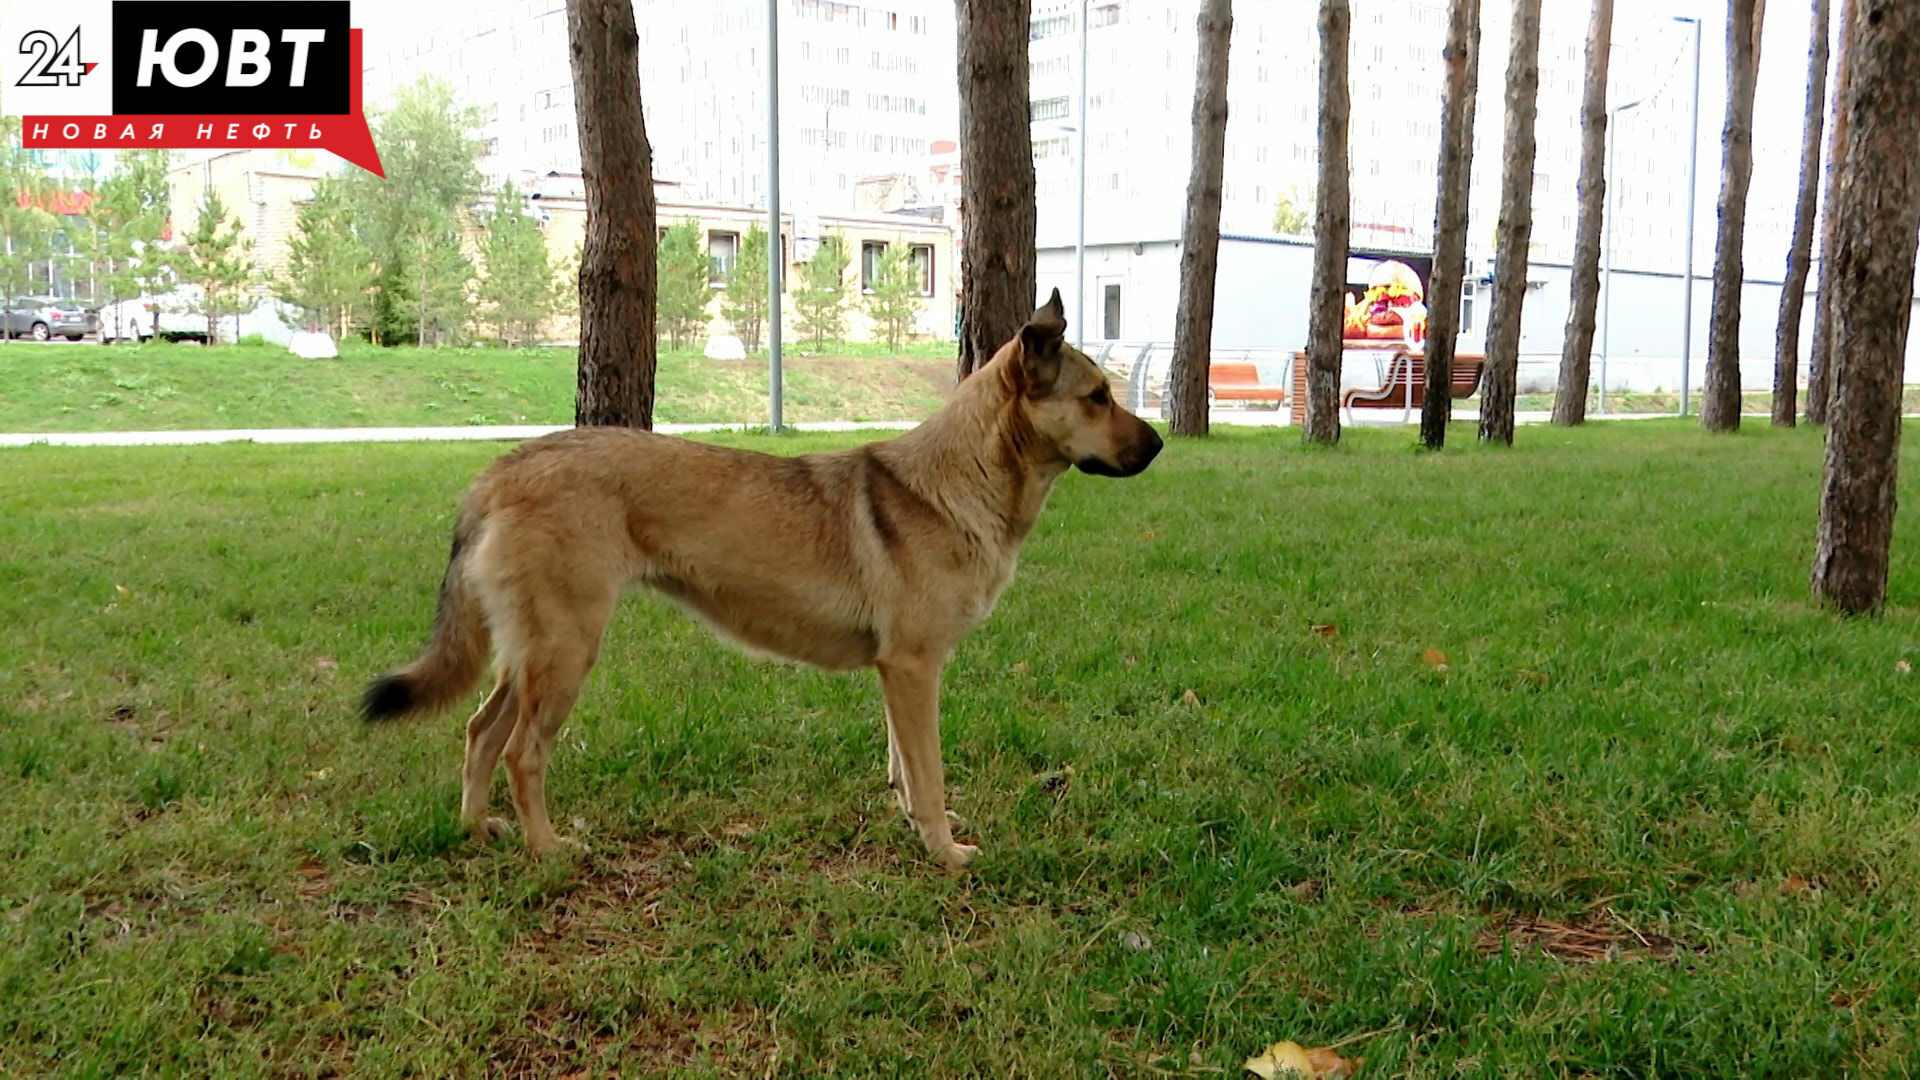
pixel 896 772
pixel 486 736
pixel 912 687
pixel 549 672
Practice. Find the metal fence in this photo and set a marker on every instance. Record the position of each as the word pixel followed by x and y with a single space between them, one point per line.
pixel 1144 366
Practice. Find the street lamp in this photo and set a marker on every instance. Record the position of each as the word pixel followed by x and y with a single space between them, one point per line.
pixel 1693 166
pixel 1606 286
pixel 1080 237
pixel 776 260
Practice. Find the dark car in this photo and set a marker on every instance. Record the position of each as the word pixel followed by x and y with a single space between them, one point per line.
pixel 42 317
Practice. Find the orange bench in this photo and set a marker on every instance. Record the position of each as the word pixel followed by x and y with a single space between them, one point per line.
pixel 1241 382
pixel 1405 385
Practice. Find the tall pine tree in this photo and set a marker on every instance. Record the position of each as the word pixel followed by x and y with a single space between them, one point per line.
pixel 684 278
pixel 329 270
pixel 744 303
pixel 820 303
pixel 519 291
pixel 216 262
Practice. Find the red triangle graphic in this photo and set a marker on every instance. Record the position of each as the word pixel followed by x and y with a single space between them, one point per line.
pixel 91 66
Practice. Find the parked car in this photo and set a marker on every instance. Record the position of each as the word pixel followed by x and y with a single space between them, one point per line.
pixel 181 319
pixel 132 320
pixel 42 317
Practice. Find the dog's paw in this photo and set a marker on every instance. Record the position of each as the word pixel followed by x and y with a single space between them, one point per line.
pixel 957 856
pixel 487 830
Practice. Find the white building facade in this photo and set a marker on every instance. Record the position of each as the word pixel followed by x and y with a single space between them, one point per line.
pixel 859 84
pixel 1138 120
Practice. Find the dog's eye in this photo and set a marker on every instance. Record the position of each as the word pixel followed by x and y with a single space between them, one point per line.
pixel 1099 396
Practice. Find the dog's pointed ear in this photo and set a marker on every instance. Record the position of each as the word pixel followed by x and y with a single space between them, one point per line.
pixel 1040 343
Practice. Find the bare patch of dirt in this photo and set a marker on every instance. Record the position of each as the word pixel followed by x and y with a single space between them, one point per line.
pixel 1600 936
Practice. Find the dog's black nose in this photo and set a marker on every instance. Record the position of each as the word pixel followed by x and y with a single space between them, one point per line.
pixel 1154 445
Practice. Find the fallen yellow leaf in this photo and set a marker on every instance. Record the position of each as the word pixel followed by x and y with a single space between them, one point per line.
pixel 1289 1059
pixel 1903 667
pixel 1190 699
pixel 1325 629
pixel 1434 659
pixel 1283 1058
pixel 1148 535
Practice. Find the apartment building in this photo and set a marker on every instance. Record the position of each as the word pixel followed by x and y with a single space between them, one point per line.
pixel 858 90
pixel 1140 85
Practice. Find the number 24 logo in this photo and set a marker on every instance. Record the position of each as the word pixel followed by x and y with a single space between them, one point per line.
pixel 55 63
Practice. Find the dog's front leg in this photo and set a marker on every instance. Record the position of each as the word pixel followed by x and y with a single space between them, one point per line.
pixel 911 684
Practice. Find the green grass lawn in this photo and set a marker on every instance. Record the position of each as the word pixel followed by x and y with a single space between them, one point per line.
pixel 159 386
pixel 1656 816
pixel 1668 401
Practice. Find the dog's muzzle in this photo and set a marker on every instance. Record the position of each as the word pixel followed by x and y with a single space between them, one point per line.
pixel 1133 463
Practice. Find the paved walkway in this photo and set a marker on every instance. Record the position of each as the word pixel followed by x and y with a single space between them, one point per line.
pixel 514 433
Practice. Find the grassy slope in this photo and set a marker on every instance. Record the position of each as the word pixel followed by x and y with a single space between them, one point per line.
pixel 164 387
pixel 212 869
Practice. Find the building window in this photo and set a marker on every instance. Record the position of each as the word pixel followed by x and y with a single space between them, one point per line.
pixel 1048 27
pixel 920 257
pixel 872 253
pixel 1050 109
pixel 722 249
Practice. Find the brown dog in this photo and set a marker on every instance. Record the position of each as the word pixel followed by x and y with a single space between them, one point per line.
pixel 885 556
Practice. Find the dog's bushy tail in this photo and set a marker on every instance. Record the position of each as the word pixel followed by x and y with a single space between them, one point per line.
pixel 454 657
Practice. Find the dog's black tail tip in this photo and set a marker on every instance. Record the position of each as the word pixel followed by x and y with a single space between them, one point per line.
pixel 388 697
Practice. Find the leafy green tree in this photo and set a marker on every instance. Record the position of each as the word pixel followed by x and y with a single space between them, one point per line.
pixel 684 291
pixel 519 291
pixel 329 270
pixel 744 303
pixel 443 298
pixel 139 189
pixel 820 303
pixel 26 232
pixel 431 149
pixel 1292 215
pixel 894 300
pixel 215 260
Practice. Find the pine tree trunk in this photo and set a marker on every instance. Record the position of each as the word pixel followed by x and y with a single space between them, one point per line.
pixel 1878 212
pixel 1720 398
pixel 618 278
pixel 1462 56
pixel 997 273
pixel 1786 336
pixel 1200 241
pixel 1819 366
pixel 1576 355
pixel 1332 221
pixel 1515 231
